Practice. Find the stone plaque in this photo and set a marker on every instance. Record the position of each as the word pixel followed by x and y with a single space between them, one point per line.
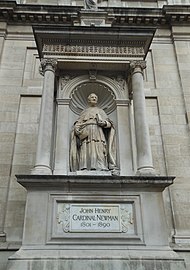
pixel 95 218
pixel 100 218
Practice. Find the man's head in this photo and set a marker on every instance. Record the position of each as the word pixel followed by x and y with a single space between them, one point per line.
pixel 92 99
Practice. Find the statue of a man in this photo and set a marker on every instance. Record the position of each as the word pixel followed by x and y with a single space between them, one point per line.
pixel 90 4
pixel 93 140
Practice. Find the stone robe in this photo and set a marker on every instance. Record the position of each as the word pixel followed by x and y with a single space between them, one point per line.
pixel 93 147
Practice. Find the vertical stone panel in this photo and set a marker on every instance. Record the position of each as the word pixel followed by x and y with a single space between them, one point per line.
pixel 31 76
pixel 62 139
pixel 172 89
pixel 23 161
pixel 12 57
pixel 155 135
pixel 125 153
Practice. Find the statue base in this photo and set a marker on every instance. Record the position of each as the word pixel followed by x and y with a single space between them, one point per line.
pixel 92 173
pixel 93 17
pixel 95 222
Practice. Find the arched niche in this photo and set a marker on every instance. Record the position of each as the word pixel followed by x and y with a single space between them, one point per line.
pixel 72 99
pixel 79 96
pixel 108 82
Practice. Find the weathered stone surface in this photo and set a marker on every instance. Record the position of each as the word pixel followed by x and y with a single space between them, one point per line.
pixel 136 264
pixel 166 81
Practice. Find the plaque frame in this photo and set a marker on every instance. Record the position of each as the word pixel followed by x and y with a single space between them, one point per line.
pixel 114 238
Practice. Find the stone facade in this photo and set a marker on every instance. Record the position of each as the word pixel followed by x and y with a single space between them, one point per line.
pixel 166 85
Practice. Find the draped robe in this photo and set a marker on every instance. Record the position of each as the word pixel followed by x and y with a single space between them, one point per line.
pixel 93 147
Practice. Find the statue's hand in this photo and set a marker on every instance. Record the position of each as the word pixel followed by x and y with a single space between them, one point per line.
pixel 101 123
pixel 77 131
pixel 81 133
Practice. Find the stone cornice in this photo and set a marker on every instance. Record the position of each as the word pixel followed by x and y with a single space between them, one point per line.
pixel 36 14
pixel 11 12
pixel 114 43
pixel 147 183
pixel 177 14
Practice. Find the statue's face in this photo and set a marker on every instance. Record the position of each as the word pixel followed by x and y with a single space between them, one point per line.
pixel 92 99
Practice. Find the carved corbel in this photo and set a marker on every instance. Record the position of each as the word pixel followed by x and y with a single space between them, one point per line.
pixel 121 82
pixel 64 80
pixel 92 75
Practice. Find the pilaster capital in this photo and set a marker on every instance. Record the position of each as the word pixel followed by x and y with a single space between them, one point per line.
pixel 137 66
pixel 47 64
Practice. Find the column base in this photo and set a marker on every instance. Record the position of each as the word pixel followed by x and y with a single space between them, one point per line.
pixel 146 171
pixel 41 170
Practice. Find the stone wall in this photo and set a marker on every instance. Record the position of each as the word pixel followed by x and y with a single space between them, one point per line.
pixel 20 91
pixel 167 89
pixel 170 82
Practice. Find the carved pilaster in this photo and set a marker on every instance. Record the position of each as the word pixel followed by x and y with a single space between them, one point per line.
pixel 122 49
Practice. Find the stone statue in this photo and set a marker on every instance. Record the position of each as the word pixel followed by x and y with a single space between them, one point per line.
pixel 93 140
pixel 90 4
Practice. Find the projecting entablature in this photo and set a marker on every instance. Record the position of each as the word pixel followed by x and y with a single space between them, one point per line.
pixel 93 44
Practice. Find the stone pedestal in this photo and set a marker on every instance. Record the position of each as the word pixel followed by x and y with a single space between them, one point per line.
pixel 94 18
pixel 99 222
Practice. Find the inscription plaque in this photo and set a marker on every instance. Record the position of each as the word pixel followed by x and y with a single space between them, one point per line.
pixel 92 218
pixel 100 218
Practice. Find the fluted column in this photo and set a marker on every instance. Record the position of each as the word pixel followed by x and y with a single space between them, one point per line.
pixel 44 144
pixel 144 155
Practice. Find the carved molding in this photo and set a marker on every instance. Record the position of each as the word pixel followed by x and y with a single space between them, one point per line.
pixel 92 75
pixel 93 50
pixel 64 80
pixel 121 81
pixel 34 14
pixel 111 91
pixel 63 217
pixel 127 219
